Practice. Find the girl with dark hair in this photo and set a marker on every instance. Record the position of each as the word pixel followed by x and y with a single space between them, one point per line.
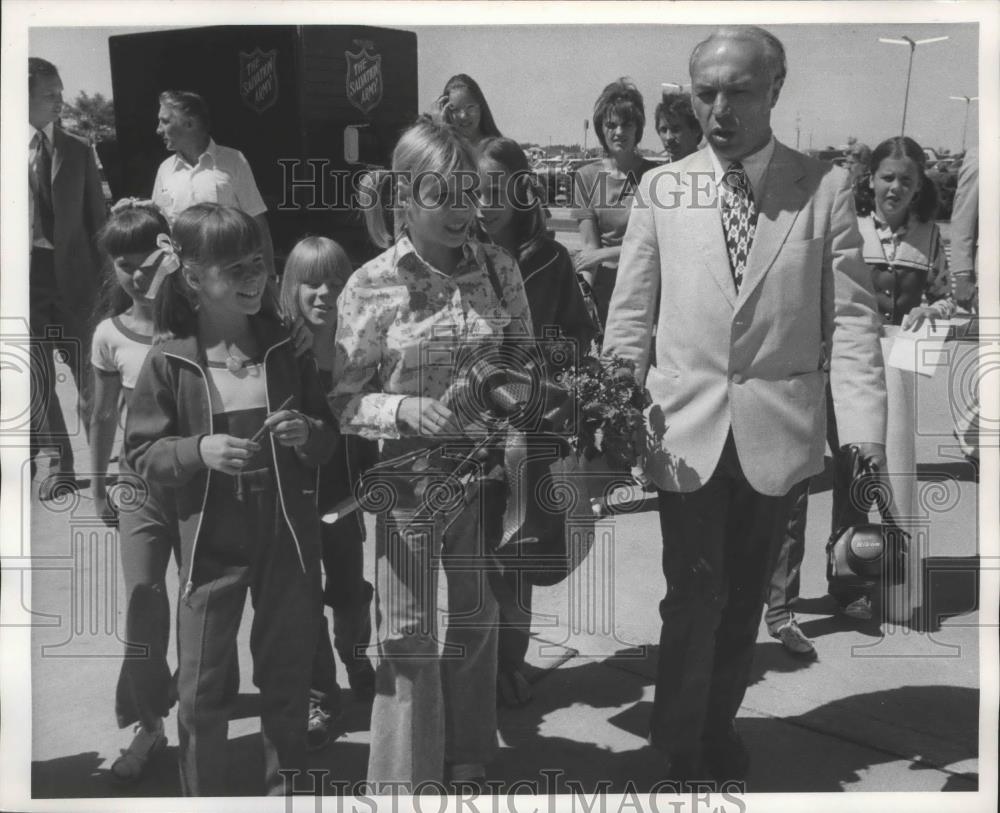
pixel 902 247
pixel 227 426
pixel 122 339
pixel 511 214
pixel 603 190
pixel 902 243
pixel 464 106
pixel 316 271
pixel 124 317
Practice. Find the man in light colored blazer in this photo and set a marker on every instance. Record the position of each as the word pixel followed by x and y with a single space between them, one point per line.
pixel 746 255
pixel 67 209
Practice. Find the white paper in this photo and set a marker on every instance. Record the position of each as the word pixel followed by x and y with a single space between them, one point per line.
pixel 921 351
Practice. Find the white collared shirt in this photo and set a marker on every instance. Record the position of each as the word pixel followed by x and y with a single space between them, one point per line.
pixel 754 164
pixel 49 130
pixel 220 175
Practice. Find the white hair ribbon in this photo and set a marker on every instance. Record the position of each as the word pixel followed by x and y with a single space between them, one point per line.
pixel 165 260
pixel 133 203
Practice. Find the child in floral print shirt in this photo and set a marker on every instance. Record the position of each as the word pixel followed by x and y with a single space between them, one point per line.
pixel 409 322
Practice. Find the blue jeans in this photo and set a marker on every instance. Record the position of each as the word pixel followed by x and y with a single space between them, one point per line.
pixel 431 708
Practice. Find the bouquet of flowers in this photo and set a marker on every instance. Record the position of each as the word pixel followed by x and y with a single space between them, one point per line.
pixel 610 403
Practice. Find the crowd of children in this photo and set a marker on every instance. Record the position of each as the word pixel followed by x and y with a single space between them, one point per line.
pixel 244 437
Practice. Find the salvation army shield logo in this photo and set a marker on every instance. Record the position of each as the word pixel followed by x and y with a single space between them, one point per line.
pixel 364 79
pixel 259 79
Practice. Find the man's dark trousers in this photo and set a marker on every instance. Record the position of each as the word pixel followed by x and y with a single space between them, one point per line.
pixel 56 326
pixel 718 547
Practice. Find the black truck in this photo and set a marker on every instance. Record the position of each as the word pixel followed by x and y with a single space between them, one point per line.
pixel 310 106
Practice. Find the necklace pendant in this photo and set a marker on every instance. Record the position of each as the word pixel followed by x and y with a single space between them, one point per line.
pixel 233 364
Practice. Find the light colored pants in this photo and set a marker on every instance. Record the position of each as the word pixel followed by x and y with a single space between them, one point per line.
pixel 431 707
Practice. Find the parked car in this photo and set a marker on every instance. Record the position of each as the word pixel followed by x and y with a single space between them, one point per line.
pixel 554 180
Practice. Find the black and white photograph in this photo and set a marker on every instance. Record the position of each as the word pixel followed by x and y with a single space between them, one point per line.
pixel 499 406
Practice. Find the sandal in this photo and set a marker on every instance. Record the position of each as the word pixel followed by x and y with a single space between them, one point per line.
pixel 513 689
pixel 146 744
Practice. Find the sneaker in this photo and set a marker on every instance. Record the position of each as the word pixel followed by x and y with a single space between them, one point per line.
pixel 319 729
pixel 131 765
pixel 860 609
pixel 794 639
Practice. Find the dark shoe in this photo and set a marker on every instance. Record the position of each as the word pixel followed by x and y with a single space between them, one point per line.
pixel 361 677
pixel 130 767
pixel 466 779
pixel 726 757
pixel 320 728
pixel 794 640
pixel 513 689
pixel 683 770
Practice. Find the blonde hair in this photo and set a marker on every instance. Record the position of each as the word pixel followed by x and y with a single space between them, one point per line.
pixel 313 261
pixel 429 147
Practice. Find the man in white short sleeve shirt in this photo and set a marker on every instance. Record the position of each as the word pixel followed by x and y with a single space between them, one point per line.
pixel 201 171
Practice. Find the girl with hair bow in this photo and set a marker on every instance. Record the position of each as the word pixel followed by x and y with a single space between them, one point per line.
pixel 136 244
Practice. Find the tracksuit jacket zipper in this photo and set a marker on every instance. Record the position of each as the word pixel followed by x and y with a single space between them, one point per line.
pixel 189 585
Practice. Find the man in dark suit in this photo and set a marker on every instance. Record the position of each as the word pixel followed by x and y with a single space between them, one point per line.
pixel 67 210
pixel 746 257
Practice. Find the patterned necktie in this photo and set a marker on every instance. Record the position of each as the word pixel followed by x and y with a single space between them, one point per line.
pixel 739 218
pixel 42 184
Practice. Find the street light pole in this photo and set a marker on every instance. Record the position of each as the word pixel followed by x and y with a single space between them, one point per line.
pixel 968 101
pixel 909 70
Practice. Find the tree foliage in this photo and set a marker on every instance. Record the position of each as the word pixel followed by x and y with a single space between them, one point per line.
pixel 92 117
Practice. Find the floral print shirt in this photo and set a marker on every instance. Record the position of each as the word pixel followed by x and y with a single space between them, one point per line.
pixel 404 328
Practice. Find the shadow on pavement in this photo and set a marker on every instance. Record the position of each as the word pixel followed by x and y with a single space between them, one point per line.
pixel 951 585
pixel 962 471
pixel 587 724
pixel 821 751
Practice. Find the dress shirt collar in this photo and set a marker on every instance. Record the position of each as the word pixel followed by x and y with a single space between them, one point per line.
pixel 755 165
pixel 885 232
pixel 405 249
pixel 49 130
pixel 209 156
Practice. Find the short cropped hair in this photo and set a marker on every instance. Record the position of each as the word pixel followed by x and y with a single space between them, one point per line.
pixel 189 104
pixel 622 99
pixel 678 106
pixel 39 68
pixel 774 51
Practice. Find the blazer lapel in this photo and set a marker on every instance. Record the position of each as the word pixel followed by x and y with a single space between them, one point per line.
pixel 58 153
pixel 705 220
pixel 782 201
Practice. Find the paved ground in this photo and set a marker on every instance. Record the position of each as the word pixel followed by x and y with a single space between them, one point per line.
pixel 882 709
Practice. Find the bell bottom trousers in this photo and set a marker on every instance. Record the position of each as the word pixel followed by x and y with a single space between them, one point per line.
pixel 433 706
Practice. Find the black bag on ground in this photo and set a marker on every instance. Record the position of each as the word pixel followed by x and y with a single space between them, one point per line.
pixel 863 554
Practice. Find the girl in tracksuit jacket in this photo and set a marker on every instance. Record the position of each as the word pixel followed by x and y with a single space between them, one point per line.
pixel 230 426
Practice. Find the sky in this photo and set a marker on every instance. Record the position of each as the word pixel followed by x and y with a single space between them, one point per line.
pixel 541 81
